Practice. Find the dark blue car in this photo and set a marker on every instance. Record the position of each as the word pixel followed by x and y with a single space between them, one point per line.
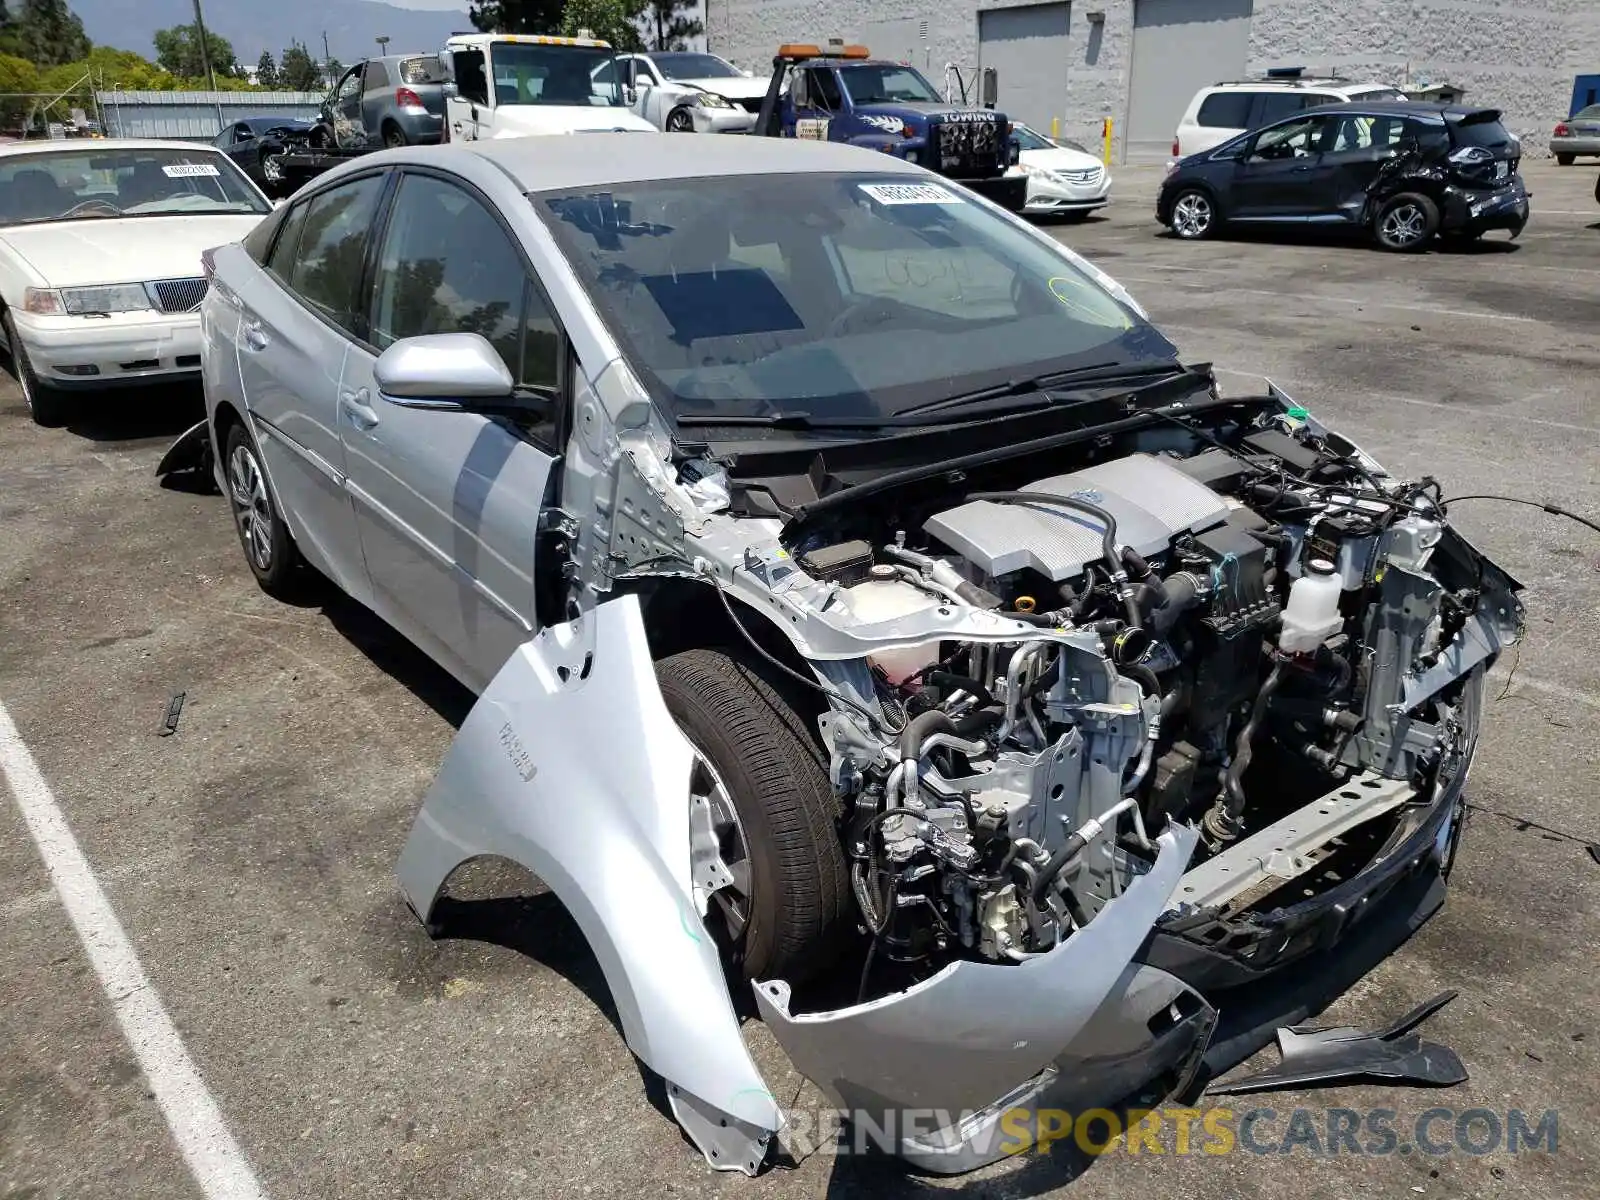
pixel 1405 171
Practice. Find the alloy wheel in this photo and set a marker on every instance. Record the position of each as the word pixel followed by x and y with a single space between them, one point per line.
pixel 717 838
pixel 1192 215
pixel 1404 225
pixel 252 508
pixel 679 121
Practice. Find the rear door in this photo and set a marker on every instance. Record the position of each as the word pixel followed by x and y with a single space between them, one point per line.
pixel 295 328
pixel 377 98
pixel 448 502
pixel 1356 150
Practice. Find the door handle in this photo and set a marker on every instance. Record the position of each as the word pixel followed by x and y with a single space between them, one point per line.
pixel 354 404
pixel 254 336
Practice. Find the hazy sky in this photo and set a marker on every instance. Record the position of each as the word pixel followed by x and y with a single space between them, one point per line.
pixel 442 4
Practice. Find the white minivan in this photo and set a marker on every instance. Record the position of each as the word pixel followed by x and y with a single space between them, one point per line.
pixel 1225 110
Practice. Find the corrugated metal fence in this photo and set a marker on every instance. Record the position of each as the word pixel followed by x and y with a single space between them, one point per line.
pixel 195 116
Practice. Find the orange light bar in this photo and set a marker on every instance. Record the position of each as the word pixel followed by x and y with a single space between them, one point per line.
pixel 834 50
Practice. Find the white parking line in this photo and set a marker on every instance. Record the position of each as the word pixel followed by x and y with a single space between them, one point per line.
pixel 219 1166
pixel 1358 301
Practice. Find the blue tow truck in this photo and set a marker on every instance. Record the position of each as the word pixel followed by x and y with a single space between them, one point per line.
pixel 840 93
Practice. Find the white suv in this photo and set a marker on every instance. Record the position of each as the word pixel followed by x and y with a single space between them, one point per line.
pixel 1224 110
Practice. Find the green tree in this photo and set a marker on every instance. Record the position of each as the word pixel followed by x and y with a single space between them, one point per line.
pixel 298 70
pixel 48 33
pixel 267 70
pixel 515 16
pixel 672 23
pixel 614 21
pixel 331 70
pixel 178 50
pixel 19 79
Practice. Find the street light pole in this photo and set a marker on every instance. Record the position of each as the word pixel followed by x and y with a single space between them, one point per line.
pixel 205 56
pixel 383 46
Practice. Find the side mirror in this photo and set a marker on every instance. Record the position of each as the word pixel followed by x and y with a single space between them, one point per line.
pixel 442 370
pixel 277 204
pixel 449 90
pixel 989 87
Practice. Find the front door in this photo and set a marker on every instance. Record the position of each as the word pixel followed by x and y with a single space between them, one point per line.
pixel 817 104
pixel 448 502
pixel 1278 177
pixel 292 343
pixel 467 113
pixel 349 131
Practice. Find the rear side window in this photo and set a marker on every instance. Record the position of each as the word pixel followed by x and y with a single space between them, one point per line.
pixel 258 241
pixel 1226 110
pixel 1277 105
pixel 326 270
pixel 377 76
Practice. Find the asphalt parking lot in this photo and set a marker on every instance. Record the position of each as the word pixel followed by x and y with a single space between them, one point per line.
pixel 249 856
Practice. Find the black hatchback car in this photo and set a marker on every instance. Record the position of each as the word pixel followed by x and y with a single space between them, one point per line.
pixel 1404 170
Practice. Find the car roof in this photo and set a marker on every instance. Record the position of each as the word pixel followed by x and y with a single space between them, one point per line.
pixel 557 162
pixel 1328 83
pixel 67 145
pixel 1422 108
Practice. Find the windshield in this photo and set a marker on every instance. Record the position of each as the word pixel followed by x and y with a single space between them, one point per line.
pixel 530 73
pixel 1029 140
pixel 1491 135
pixel 693 66
pixel 888 83
pixel 93 184
pixel 831 296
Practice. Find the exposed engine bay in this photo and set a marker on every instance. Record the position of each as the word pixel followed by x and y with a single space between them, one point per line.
pixel 1253 631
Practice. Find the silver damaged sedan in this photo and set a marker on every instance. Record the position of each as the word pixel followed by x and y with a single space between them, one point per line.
pixel 873 623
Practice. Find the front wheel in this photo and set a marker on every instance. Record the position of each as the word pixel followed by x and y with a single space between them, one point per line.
pixel 1405 223
pixel 268 547
pixel 46 405
pixel 679 121
pixel 763 806
pixel 1194 216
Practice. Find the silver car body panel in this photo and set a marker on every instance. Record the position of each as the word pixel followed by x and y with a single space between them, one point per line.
pixel 962 1043
pixel 609 834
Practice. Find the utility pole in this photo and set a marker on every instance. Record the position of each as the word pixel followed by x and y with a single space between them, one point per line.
pixel 327 59
pixel 205 55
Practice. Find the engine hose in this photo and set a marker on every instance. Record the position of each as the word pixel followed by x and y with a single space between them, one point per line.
pixel 964 682
pixel 1108 535
pixel 919 727
pixel 974 723
pixel 1075 844
pixel 1144 675
pixel 1232 805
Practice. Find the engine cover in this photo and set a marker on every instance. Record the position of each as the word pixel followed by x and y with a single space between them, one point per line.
pixel 1152 500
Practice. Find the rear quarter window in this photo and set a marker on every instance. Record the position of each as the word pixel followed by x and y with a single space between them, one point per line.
pixel 1225 110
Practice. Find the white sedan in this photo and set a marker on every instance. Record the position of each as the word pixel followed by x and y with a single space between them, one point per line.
pixel 100 260
pixel 1062 177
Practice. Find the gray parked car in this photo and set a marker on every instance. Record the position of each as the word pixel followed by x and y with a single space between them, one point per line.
pixel 396 100
pixel 857 590
pixel 1578 134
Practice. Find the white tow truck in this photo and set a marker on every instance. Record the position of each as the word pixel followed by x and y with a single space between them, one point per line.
pixel 516 85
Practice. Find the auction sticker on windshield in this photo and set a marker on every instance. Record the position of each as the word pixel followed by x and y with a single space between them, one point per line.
pixel 189 170
pixel 910 193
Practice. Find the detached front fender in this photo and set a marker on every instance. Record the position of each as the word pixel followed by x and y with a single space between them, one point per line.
pixel 570 765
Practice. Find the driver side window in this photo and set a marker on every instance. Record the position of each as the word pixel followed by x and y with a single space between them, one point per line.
pixel 823 89
pixel 350 85
pixel 472 80
pixel 1297 139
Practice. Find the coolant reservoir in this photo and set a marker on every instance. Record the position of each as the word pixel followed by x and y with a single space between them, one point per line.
pixel 883 597
pixel 1312 615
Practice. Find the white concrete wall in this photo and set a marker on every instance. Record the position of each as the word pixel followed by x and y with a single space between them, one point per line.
pixel 1519 56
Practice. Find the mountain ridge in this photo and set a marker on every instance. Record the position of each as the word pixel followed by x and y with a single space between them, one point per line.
pixel 351 25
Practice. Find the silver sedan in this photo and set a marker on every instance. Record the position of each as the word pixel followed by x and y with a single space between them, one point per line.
pixel 1578 135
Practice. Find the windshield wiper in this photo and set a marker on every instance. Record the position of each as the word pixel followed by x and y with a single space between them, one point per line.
pixel 1018 396
pixel 1106 372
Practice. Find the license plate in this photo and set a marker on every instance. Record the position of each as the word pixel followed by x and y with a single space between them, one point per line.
pixel 1502 169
